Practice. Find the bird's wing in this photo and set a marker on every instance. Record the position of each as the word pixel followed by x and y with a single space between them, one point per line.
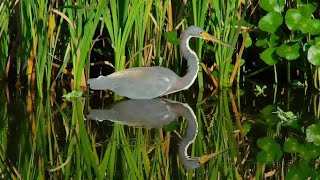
pixel 140 82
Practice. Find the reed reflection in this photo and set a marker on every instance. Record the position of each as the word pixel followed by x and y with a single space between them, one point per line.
pixel 156 113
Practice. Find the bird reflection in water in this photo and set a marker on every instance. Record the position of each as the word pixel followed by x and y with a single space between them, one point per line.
pixel 155 113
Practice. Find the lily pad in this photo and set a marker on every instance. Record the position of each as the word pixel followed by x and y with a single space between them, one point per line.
pixel 314 55
pixel 293 19
pixel 290 52
pixel 301 172
pixel 271 150
pixel 270 22
pixel 291 145
pixel 269 56
pixel 272 5
pixel 307 9
pixel 313 134
pixel 314 26
pixel 309 151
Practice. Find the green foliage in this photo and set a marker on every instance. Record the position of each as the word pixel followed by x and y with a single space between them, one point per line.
pixel 272 5
pixel 269 56
pixel 290 52
pixel 299 19
pixel 270 22
pixel 271 150
pixel 314 55
pixel 291 145
pixel 172 37
pixel 313 134
pixel 302 172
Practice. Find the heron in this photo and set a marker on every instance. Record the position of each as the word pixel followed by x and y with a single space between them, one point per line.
pixel 157 113
pixel 155 81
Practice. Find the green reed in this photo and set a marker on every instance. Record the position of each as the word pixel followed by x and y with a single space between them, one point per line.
pixel 5 9
pixel 54 37
pixel 57 142
pixel 119 24
pixel 200 10
pixel 226 27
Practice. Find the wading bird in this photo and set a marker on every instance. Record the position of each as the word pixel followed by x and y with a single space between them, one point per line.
pixel 155 81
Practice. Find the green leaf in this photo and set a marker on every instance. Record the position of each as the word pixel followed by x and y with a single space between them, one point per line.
pixel 311 26
pixel 270 22
pixel 291 145
pixel 313 134
pixel 293 19
pixel 307 9
pixel 302 172
pixel 242 62
pixel 265 157
pixel 271 150
pixel 248 41
pixel 317 41
pixel 246 128
pixel 269 56
pixel 289 52
pixel 309 151
pixel 314 55
pixel 272 5
pixel 172 37
pixel 262 43
pixel 269 109
pixel 171 126
pixel 274 40
pixel 314 26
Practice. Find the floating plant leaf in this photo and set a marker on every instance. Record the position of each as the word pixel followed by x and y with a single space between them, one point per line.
pixel 293 19
pixel 289 52
pixel 271 150
pixel 314 55
pixel 272 5
pixel 172 37
pixel 269 56
pixel 307 9
pixel 291 145
pixel 310 151
pixel 270 22
pixel 301 172
pixel 265 157
pixel 314 26
pixel 267 143
pixel 313 134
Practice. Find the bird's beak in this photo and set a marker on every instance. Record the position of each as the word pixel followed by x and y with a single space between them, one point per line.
pixel 209 37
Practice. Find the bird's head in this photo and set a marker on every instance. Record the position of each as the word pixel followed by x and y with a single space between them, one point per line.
pixel 195 31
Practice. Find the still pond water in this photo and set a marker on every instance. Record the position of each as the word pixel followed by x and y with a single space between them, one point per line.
pixel 234 134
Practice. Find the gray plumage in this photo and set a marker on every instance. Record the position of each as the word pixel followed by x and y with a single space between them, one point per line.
pixel 152 82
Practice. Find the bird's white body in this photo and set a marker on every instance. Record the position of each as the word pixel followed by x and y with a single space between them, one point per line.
pixel 152 82
pixel 137 83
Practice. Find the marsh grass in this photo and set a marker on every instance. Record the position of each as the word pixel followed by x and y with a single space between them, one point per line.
pixel 55 141
pixel 53 41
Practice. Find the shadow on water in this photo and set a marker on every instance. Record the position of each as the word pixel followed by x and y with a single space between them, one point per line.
pixel 267 133
pixel 156 113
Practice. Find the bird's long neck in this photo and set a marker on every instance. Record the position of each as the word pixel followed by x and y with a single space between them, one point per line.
pixel 192 60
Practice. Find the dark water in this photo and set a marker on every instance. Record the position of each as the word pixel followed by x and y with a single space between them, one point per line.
pixel 231 134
